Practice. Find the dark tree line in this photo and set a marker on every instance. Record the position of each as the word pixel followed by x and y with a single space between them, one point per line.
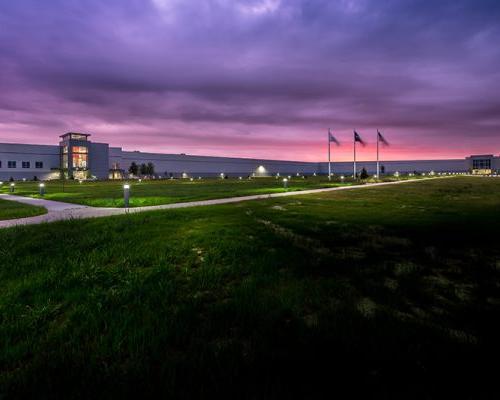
pixel 143 169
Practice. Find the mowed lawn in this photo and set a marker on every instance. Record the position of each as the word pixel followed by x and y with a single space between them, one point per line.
pixel 166 191
pixel 388 292
pixel 12 209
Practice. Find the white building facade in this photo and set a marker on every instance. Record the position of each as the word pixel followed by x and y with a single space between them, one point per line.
pixel 78 157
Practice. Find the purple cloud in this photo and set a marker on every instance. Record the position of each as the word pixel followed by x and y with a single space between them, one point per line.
pixel 253 78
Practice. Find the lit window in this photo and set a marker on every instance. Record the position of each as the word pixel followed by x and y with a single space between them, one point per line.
pixel 79 149
pixel 79 160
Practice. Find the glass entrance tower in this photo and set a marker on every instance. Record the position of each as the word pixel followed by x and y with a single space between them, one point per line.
pixel 75 148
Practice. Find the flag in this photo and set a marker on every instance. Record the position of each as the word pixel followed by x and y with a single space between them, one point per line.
pixel 333 139
pixel 357 138
pixel 382 139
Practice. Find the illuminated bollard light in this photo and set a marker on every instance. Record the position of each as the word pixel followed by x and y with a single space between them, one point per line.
pixel 126 195
pixel 191 179
pixel 240 178
pixel 41 188
pixel 342 178
pixel 12 187
pixel 285 183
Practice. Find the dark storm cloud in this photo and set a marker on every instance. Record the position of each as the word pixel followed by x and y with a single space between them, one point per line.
pixel 413 67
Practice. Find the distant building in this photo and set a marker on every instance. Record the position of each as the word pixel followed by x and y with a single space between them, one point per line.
pixel 79 158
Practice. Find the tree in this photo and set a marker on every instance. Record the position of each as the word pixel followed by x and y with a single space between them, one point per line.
pixel 150 168
pixel 144 169
pixel 133 169
pixel 364 174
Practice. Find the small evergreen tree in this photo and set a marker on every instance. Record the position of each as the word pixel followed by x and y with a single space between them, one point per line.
pixel 144 169
pixel 364 174
pixel 133 169
pixel 150 168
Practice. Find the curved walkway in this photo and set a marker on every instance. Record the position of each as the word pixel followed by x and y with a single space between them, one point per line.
pixel 59 211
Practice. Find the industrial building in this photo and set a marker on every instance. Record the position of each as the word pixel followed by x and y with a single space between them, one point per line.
pixel 78 157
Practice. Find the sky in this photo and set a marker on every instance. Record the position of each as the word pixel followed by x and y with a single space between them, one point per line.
pixel 254 78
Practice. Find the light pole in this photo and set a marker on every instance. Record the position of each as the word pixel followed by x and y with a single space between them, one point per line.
pixel 285 183
pixel 126 195
pixel 42 189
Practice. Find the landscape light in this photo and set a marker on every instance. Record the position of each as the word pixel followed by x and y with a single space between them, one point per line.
pixel 342 177
pixel 314 174
pixel 289 177
pixel 191 179
pixel 42 189
pixel 24 179
pixel 278 174
pixel 80 181
pixel 285 183
pixel 140 180
pixel 222 175
pixel 126 194
pixel 1 183
pixel 240 178
pixel 199 177
pixel 12 185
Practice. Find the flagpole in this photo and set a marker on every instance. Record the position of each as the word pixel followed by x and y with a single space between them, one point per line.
pixel 354 166
pixel 329 160
pixel 378 164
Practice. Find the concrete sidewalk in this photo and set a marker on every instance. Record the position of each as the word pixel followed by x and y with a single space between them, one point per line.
pixel 58 211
